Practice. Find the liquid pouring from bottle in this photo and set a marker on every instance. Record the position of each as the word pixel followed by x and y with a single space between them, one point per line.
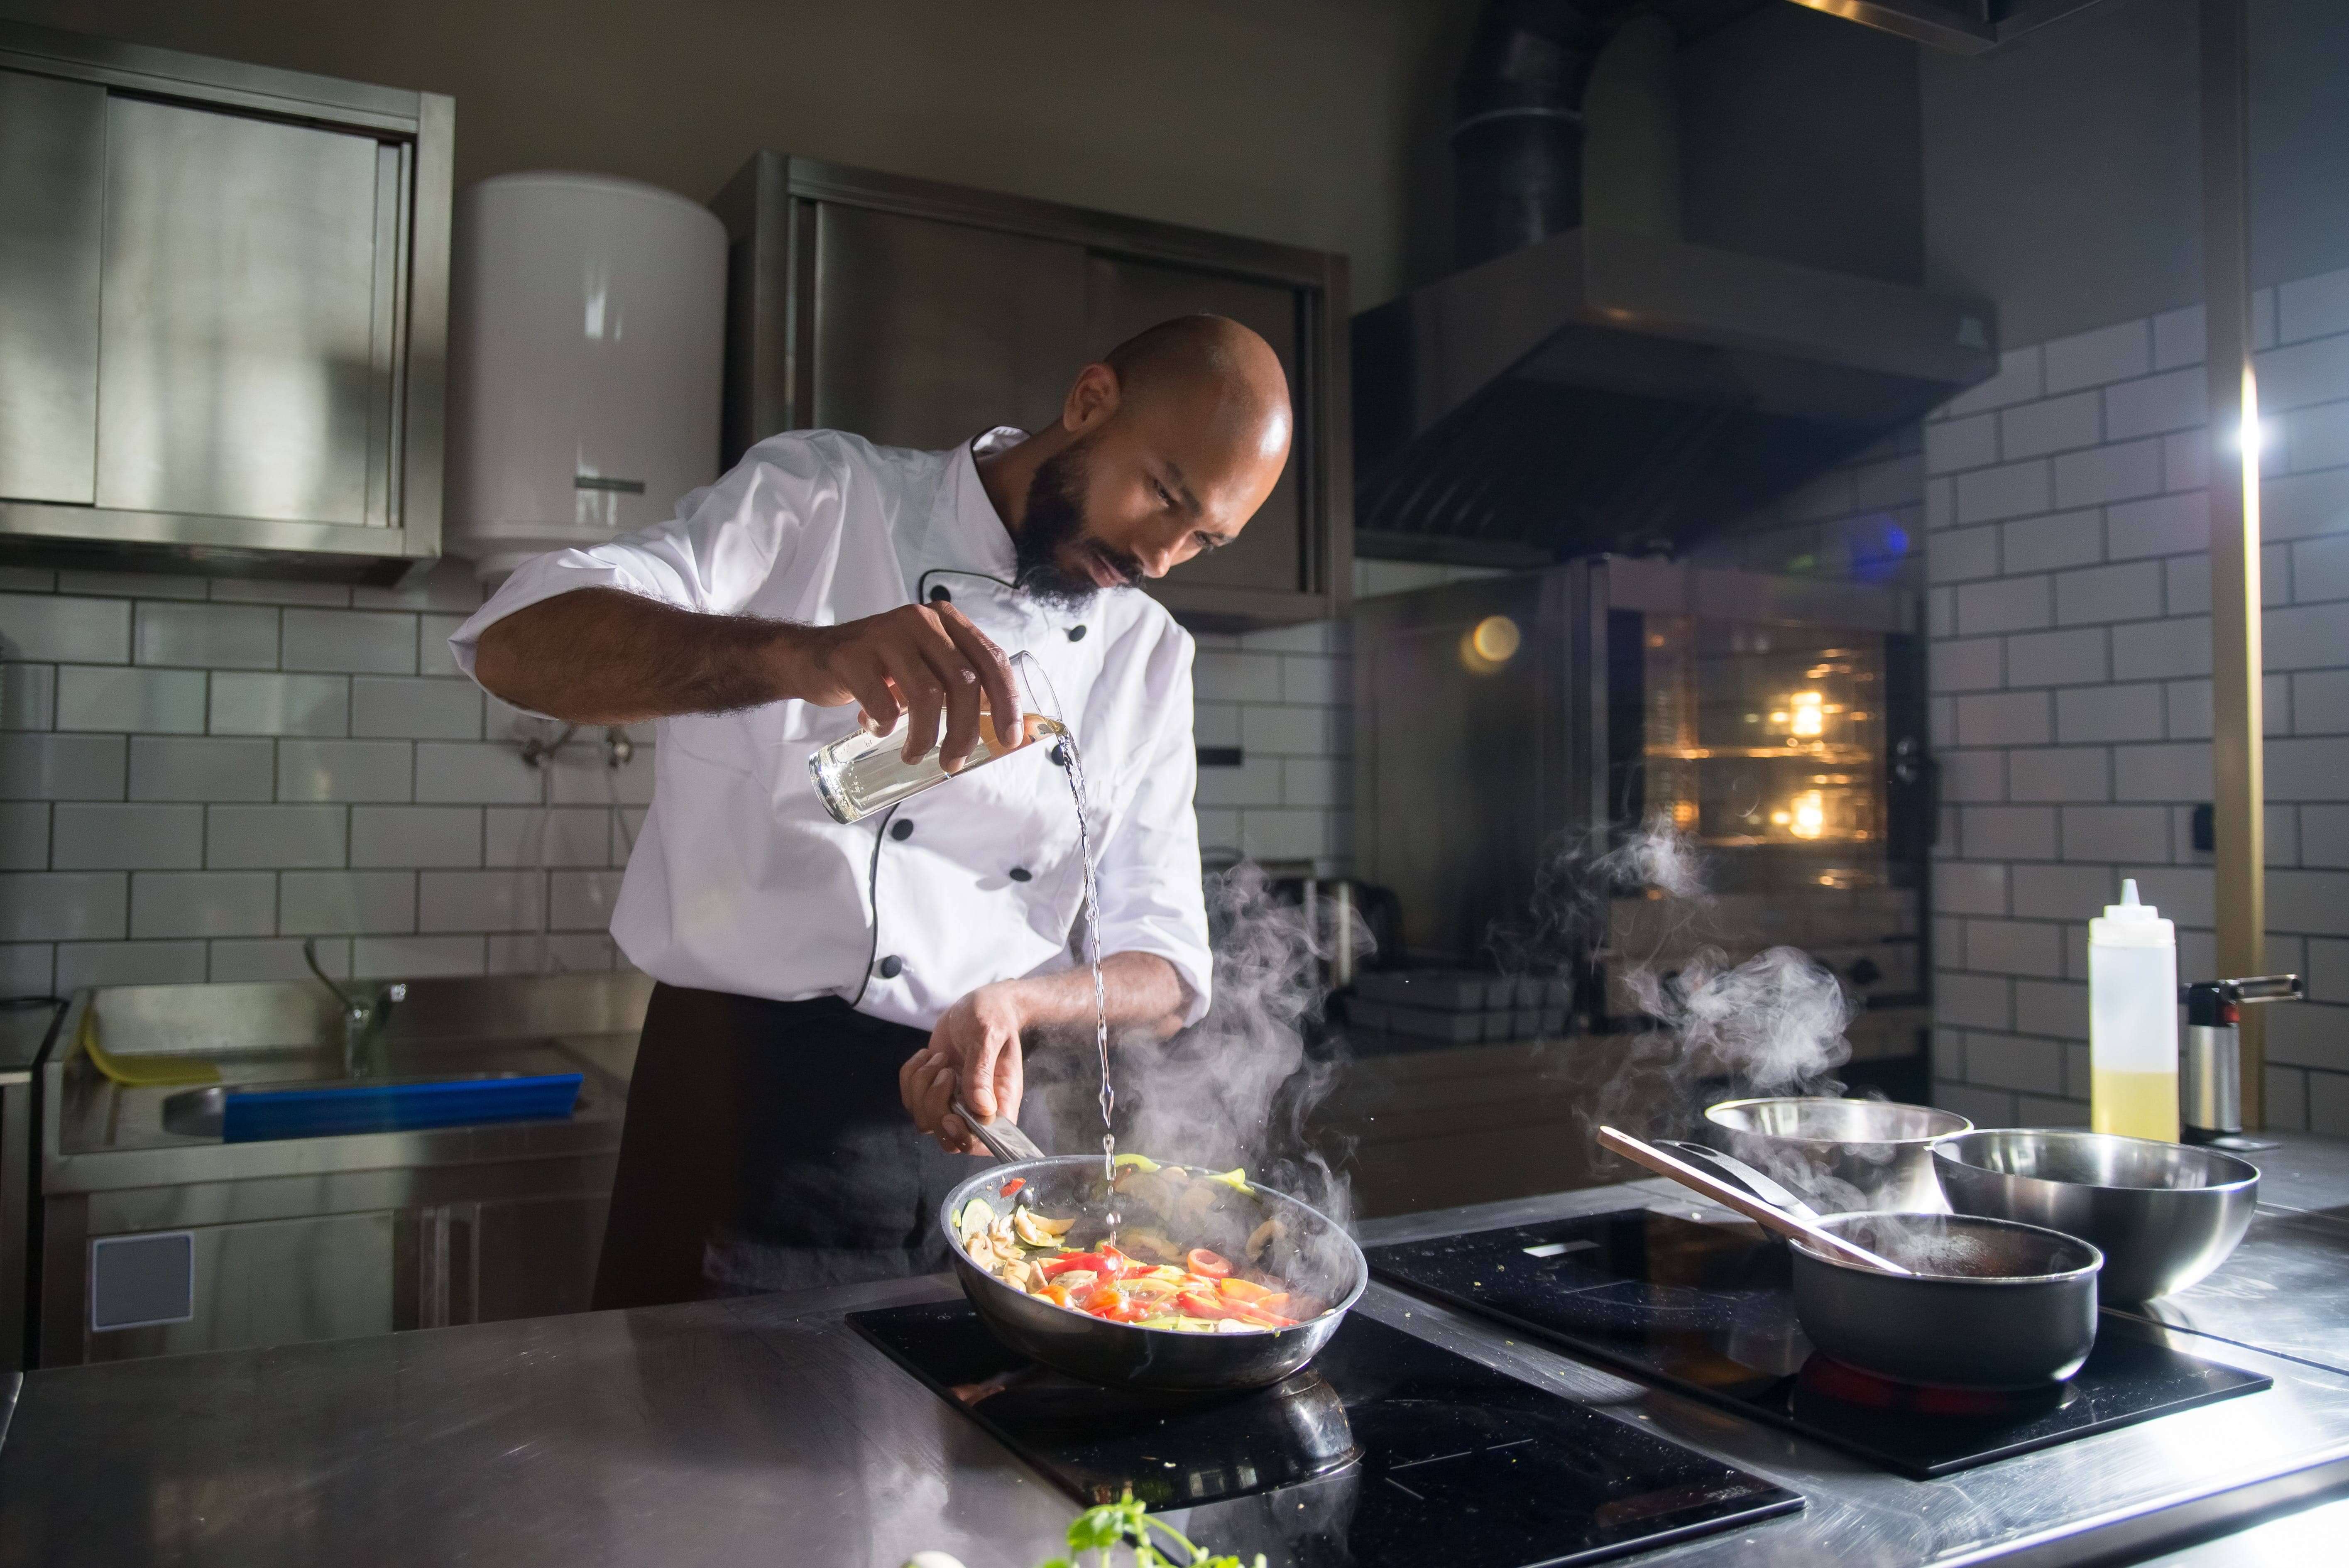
pixel 865 771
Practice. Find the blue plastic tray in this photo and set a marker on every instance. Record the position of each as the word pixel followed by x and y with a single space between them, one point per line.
pixel 250 1116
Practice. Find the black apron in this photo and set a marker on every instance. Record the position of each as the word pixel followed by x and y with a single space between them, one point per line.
pixel 766 1149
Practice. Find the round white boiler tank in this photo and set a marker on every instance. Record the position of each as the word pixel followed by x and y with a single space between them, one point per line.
pixel 587 319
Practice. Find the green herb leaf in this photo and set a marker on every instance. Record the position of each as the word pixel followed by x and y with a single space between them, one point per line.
pixel 1097 1528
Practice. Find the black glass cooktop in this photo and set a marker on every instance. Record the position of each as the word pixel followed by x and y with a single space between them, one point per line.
pixel 1708 1310
pixel 1385 1451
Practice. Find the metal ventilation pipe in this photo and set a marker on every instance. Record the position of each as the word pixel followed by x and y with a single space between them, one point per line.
pixel 1517 129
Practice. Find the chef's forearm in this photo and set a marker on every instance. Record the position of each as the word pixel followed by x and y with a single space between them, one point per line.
pixel 1142 989
pixel 599 655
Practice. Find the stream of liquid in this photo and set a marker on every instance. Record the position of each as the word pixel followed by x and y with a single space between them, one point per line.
pixel 1065 753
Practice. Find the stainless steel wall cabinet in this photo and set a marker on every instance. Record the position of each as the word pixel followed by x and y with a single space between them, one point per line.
pixel 223 313
pixel 918 315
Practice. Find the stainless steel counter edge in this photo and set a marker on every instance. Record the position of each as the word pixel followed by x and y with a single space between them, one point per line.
pixel 689 1435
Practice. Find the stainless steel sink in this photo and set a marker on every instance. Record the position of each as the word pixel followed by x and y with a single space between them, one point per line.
pixel 308 1237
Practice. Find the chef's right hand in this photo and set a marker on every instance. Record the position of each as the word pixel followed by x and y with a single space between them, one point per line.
pixel 974 1049
pixel 927 660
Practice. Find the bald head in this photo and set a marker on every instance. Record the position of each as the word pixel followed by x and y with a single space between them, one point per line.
pixel 1165 448
pixel 1210 358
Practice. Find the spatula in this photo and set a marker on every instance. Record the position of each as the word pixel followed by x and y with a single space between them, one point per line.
pixel 1793 1227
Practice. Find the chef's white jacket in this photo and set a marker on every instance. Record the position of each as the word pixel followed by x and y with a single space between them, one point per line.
pixel 741 881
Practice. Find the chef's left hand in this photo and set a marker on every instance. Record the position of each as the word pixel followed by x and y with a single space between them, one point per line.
pixel 976 1045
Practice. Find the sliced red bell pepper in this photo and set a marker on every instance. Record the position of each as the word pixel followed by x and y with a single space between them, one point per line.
pixel 1202 1304
pixel 1108 1302
pixel 1013 1185
pixel 1250 1311
pixel 1092 1262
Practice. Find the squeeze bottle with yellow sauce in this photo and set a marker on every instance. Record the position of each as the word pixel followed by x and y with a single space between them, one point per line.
pixel 2133 1020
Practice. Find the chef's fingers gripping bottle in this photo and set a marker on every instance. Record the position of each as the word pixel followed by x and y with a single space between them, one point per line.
pixel 2133 1020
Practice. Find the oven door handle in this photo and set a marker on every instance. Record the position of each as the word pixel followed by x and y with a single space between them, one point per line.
pixel 1914 768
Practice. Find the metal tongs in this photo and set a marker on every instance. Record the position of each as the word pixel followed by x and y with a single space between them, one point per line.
pixel 1003 1138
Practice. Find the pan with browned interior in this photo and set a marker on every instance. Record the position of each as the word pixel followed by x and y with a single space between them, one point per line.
pixel 1168 1208
pixel 1950 1300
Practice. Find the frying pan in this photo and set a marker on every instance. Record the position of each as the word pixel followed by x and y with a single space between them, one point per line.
pixel 1309 1252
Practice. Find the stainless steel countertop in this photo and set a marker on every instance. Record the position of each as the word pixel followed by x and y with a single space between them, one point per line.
pixel 766 1429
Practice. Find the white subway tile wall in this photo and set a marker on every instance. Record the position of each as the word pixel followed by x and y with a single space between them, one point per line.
pixel 195 774
pixel 1284 698
pixel 2068 593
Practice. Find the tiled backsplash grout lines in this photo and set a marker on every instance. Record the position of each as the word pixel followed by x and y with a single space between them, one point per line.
pixel 1285 699
pixel 194 776
pixel 2067 538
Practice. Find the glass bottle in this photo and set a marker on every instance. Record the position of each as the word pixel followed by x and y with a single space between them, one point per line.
pixel 862 772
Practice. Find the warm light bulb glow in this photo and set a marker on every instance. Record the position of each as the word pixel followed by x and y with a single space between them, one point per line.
pixel 1808 715
pixel 1496 637
pixel 1491 644
pixel 1810 815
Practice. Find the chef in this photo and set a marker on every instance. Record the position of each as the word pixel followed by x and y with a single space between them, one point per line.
pixel 816 983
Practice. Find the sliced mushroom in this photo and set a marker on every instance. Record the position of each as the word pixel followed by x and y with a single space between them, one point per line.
pixel 1142 1244
pixel 1259 1239
pixel 1034 1232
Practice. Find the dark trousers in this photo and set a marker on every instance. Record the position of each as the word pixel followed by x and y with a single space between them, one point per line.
pixel 766 1149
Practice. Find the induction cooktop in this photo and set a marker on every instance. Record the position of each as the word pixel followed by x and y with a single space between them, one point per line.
pixel 1709 1311
pixel 1385 1451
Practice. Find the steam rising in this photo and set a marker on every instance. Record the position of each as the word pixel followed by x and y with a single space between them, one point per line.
pixel 1236 1088
pixel 1776 1020
pixel 1774 1023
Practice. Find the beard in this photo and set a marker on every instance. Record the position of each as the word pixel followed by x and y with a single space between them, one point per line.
pixel 1053 545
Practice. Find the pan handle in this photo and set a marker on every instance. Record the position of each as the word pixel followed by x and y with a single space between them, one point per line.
pixel 1003 1138
pixel 1769 1216
pixel 1738 1173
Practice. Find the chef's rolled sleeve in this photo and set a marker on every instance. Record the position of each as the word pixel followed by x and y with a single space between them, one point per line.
pixel 726 540
pixel 1147 869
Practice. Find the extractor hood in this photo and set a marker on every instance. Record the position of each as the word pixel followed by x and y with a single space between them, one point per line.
pixel 1607 390
pixel 1581 387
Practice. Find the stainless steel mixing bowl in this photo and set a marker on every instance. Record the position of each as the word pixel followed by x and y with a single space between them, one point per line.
pixel 2163 1214
pixel 1841 1155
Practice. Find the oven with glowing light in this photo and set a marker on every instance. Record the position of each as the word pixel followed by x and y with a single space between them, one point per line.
pixel 1777 724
